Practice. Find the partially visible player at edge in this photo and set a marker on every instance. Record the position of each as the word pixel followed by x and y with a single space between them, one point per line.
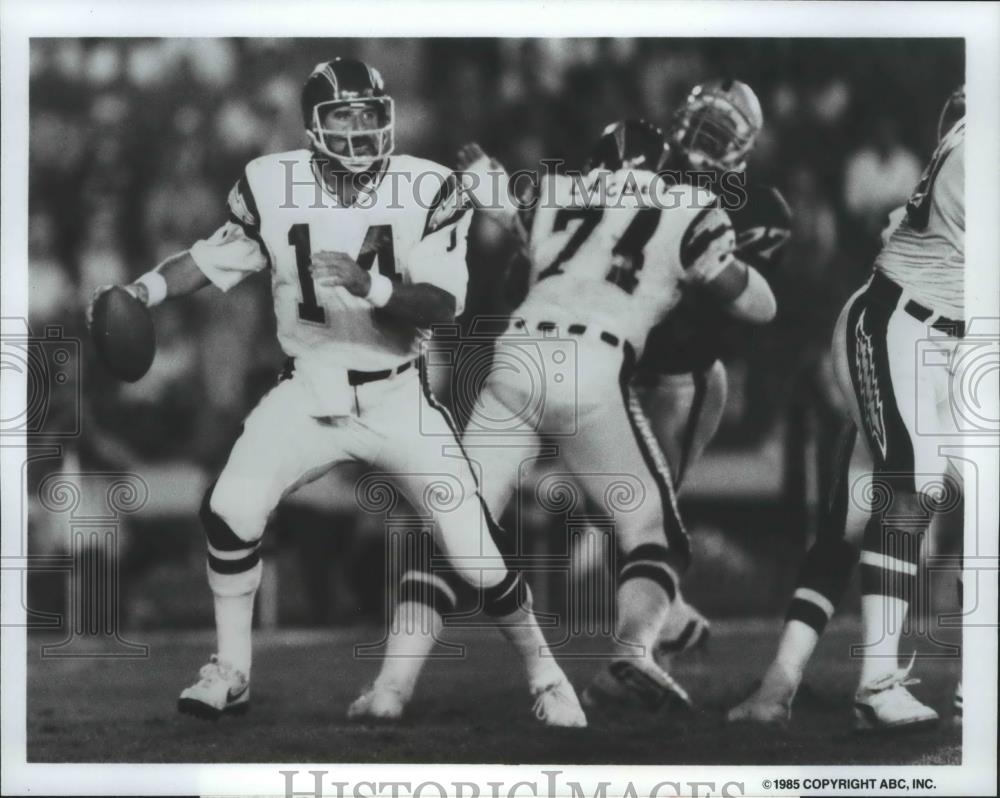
pixel 916 292
pixel 360 270
pixel 681 379
pixel 606 267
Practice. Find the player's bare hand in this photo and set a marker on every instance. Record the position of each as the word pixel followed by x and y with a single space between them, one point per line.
pixel 468 154
pixel 137 290
pixel 331 269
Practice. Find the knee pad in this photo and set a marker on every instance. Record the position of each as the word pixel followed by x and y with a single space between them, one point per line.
pixel 654 562
pixel 233 563
pixel 823 579
pixel 509 595
pixel 235 507
pixel 431 590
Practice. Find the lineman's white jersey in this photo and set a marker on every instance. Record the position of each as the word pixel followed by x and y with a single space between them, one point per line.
pixel 925 254
pixel 614 249
pixel 410 227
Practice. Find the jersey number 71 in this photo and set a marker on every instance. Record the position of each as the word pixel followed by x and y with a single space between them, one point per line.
pixel 377 244
pixel 627 255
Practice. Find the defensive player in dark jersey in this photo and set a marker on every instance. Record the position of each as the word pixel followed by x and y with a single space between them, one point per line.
pixel 681 379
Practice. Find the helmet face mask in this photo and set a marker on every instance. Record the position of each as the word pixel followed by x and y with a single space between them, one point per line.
pixel 359 143
pixel 718 125
pixel 348 115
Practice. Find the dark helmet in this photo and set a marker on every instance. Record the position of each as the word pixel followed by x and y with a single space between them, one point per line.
pixel 629 144
pixel 717 125
pixel 954 109
pixel 345 82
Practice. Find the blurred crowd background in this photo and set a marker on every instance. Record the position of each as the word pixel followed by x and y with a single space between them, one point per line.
pixel 135 143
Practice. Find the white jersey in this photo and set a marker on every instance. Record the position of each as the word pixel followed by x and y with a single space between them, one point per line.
pixel 410 227
pixel 925 253
pixel 617 258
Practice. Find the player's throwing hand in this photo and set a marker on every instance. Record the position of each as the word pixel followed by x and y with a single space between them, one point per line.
pixel 137 290
pixel 337 268
pixel 468 155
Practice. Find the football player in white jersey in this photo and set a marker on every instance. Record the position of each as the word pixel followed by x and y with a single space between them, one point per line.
pixel 681 379
pixel 610 252
pixel 366 250
pixel 915 294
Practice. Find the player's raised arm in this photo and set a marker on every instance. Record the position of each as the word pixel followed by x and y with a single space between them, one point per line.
pixel 233 252
pixel 710 262
pixel 176 276
pixel 756 302
pixel 180 275
pixel 486 183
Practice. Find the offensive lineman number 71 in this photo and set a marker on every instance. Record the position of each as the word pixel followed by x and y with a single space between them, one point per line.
pixel 378 242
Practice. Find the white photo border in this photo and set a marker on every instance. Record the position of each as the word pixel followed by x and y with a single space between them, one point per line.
pixel 978 24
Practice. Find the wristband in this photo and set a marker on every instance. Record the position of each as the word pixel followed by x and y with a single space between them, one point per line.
pixel 156 287
pixel 380 291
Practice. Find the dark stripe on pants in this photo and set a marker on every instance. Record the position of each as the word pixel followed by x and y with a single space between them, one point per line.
pixel 676 534
pixel 700 379
pixel 868 362
pixel 496 531
pixel 512 592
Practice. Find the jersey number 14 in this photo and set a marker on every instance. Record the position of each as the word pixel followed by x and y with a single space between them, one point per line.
pixel 377 244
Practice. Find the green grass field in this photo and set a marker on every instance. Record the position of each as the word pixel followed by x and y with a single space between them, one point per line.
pixel 469 710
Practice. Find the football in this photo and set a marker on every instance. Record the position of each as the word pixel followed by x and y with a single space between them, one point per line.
pixel 122 331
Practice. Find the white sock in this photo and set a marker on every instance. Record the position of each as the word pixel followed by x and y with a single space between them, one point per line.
pixel 234 628
pixel 643 607
pixel 882 627
pixel 416 628
pixel 522 630
pixel 795 649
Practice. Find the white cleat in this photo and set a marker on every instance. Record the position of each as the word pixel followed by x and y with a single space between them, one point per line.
pixel 956 705
pixel 685 629
pixel 886 705
pixel 556 705
pixel 628 684
pixel 220 690
pixel 379 703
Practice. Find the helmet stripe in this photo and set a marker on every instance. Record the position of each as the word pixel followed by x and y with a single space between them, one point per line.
pixel 331 76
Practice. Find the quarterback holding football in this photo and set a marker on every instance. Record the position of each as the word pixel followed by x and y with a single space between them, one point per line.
pixel 360 271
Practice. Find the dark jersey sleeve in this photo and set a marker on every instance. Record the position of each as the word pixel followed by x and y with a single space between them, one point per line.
pixel 696 332
pixel 763 227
